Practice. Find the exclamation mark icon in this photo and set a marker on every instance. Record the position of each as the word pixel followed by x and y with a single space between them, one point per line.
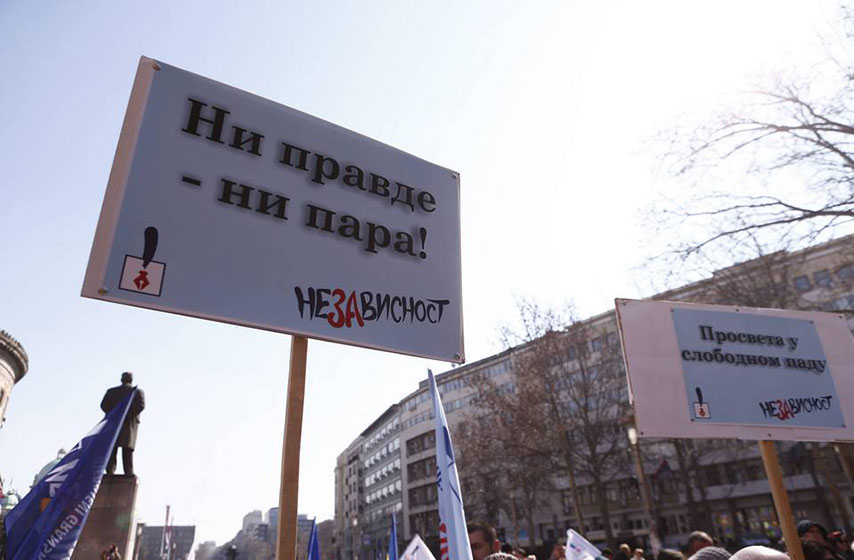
pixel 701 409
pixel 143 274
pixel 141 281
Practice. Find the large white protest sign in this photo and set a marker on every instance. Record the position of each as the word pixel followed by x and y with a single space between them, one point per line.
pixel 227 206
pixel 721 371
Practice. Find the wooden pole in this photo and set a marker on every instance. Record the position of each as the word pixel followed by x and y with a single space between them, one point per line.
pixel 654 541
pixel 781 499
pixel 286 547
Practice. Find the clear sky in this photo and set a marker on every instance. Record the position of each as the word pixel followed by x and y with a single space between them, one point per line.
pixel 545 108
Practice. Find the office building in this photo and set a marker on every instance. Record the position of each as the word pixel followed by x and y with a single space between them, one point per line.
pixel 725 482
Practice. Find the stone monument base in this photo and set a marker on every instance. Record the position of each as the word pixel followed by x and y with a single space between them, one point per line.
pixel 111 519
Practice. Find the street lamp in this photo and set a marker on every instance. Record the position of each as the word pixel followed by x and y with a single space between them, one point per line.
pixel 654 541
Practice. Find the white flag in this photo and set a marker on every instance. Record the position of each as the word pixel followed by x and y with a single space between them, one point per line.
pixel 417 550
pixel 577 547
pixel 453 536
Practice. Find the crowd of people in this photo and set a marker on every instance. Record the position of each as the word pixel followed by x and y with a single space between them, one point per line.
pixel 817 544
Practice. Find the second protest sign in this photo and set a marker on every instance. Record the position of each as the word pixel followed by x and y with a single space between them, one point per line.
pixel 735 372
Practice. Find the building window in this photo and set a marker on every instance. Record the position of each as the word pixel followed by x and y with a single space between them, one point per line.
pixel 567 501
pixel 753 470
pixel 822 278
pixel 734 474
pixel 420 443
pixel 846 274
pixel 802 284
pixel 611 493
pixel 713 475
pixel 840 303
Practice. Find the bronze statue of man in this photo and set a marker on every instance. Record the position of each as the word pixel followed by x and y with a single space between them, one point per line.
pixel 127 435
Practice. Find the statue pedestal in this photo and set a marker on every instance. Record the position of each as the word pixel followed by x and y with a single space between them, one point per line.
pixel 111 519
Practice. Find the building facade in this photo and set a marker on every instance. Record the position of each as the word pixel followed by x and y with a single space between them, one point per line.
pixel 178 542
pixel 251 519
pixel 324 538
pixel 724 480
pixel 382 484
pixel 205 550
pixel 13 366
pixel 349 486
pixel 420 502
pixel 271 518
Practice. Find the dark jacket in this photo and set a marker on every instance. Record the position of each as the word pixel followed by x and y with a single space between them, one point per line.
pixel 115 395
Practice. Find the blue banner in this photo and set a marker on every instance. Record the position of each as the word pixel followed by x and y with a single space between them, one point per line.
pixel 392 541
pixel 313 546
pixel 47 522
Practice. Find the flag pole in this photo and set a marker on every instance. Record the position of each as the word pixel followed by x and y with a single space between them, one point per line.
pixel 453 534
pixel 286 542
pixel 163 536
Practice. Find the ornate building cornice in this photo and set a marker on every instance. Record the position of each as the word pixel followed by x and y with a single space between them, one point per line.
pixel 18 360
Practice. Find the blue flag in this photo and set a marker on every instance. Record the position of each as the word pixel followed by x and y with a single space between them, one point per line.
pixel 392 541
pixel 313 546
pixel 47 522
pixel 453 536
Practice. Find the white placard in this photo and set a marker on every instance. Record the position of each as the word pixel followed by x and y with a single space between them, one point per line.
pixel 712 371
pixel 227 206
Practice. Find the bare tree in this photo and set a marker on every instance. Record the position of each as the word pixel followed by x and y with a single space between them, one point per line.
pixel 503 462
pixel 796 129
pixel 561 408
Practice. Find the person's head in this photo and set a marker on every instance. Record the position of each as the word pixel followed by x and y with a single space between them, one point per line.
pixel 127 377
pixel 670 554
pixel 810 531
pixel 759 553
pixel 606 553
pixel 626 549
pixel 711 553
pixel 696 541
pixel 483 539
pixel 558 550
pixel 500 556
